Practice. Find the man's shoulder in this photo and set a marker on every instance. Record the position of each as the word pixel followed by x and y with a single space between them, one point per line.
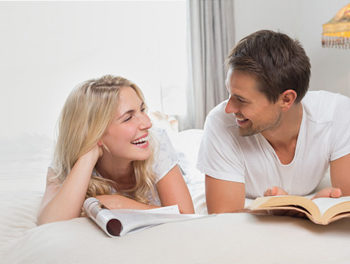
pixel 323 106
pixel 223 126
pixel 323 95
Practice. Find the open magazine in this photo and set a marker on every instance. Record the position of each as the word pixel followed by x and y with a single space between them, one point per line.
pixel 119 222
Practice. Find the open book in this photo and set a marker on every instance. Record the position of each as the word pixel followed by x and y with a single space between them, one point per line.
pixel 120 222
pixel 320 210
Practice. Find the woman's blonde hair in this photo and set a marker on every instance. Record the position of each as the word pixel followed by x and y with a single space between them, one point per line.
pixel 85 117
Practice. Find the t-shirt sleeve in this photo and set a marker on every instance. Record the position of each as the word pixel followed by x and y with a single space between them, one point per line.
pixel 340 136
pixel 219 155
pixel 165 156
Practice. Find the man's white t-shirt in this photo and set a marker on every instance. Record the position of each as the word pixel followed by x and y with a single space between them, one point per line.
pixel 324 136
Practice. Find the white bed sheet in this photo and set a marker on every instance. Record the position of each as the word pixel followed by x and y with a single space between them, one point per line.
pixel 226 238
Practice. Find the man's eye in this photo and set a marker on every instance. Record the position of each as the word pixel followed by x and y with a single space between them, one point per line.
pixel 240 100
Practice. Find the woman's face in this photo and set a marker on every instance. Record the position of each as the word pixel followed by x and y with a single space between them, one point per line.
pixel 127 136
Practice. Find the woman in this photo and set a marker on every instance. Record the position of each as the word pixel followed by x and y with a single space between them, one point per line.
pixel 105 149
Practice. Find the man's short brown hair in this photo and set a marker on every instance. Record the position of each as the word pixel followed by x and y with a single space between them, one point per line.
pixel 278 62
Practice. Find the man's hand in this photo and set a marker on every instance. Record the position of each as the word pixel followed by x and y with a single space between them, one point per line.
pixel 275 191
pixel 331 192
pixel 339 170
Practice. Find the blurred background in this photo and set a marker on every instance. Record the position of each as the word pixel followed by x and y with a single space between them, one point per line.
pixel 166 47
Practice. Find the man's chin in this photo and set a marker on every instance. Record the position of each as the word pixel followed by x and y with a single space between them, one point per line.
pixel 244 132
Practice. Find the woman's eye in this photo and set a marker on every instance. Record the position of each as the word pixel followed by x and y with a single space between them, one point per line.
pixel 143 109
pixel 127 119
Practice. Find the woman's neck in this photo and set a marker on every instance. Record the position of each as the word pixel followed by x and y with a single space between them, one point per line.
pixel 119 171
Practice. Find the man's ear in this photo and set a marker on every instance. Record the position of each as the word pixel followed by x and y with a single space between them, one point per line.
pixel 287 99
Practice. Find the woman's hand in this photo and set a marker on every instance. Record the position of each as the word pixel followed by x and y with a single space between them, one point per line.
pixel 64 202
pixel 93 154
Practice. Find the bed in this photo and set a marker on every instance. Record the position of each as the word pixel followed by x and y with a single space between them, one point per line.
pixel 224 238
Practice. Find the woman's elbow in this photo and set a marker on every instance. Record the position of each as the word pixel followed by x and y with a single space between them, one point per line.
pixel 189 209
pixel 46 217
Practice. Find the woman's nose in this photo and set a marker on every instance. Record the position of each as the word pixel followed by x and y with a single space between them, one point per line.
pixel 145 121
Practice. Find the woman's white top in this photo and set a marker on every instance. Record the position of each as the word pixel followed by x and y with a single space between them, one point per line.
pixel 165 158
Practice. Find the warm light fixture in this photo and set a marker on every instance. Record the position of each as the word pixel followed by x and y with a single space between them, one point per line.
pixel 336 33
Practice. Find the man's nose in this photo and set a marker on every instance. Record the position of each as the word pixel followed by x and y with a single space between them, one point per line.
pixel 230 107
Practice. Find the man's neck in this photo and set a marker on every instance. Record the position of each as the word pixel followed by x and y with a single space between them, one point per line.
pixel 284 138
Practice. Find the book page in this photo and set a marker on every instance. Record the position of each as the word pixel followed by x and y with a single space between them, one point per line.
pixel 284 202
pixel 324 203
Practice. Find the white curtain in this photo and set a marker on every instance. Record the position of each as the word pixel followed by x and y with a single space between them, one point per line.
pixel 211 36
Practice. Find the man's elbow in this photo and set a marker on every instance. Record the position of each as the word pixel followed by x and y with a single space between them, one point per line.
pixel 225 208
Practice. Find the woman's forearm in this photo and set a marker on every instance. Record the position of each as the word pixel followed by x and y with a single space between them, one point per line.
pixel 67 201
pixel 115 201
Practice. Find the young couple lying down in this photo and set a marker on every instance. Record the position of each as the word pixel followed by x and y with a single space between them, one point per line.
pixel 270 137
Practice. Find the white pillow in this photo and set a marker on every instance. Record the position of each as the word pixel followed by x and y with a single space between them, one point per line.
pixel 187 144
pixel 18 214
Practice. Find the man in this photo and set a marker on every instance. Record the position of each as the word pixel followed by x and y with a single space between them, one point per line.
pixel 272 137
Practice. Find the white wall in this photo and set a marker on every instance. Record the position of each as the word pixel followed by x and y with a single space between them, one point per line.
pixel 47 48
pixel 301 19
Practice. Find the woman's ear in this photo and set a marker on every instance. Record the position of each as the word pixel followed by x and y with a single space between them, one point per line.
pixel 287 99
pixel 103 146
pixel 100 147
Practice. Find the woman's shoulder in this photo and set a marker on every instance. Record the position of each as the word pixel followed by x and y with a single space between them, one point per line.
pixel 160 136
pixel 165 156
pixel 157 131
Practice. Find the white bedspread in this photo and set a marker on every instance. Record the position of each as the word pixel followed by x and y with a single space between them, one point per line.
pixel 226 238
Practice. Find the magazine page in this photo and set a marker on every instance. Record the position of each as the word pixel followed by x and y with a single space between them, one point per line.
pixel 132 221
pixel 119 222
pixel 102 217
pixel 172 209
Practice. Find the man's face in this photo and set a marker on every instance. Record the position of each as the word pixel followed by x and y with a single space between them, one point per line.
pixel 253 111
